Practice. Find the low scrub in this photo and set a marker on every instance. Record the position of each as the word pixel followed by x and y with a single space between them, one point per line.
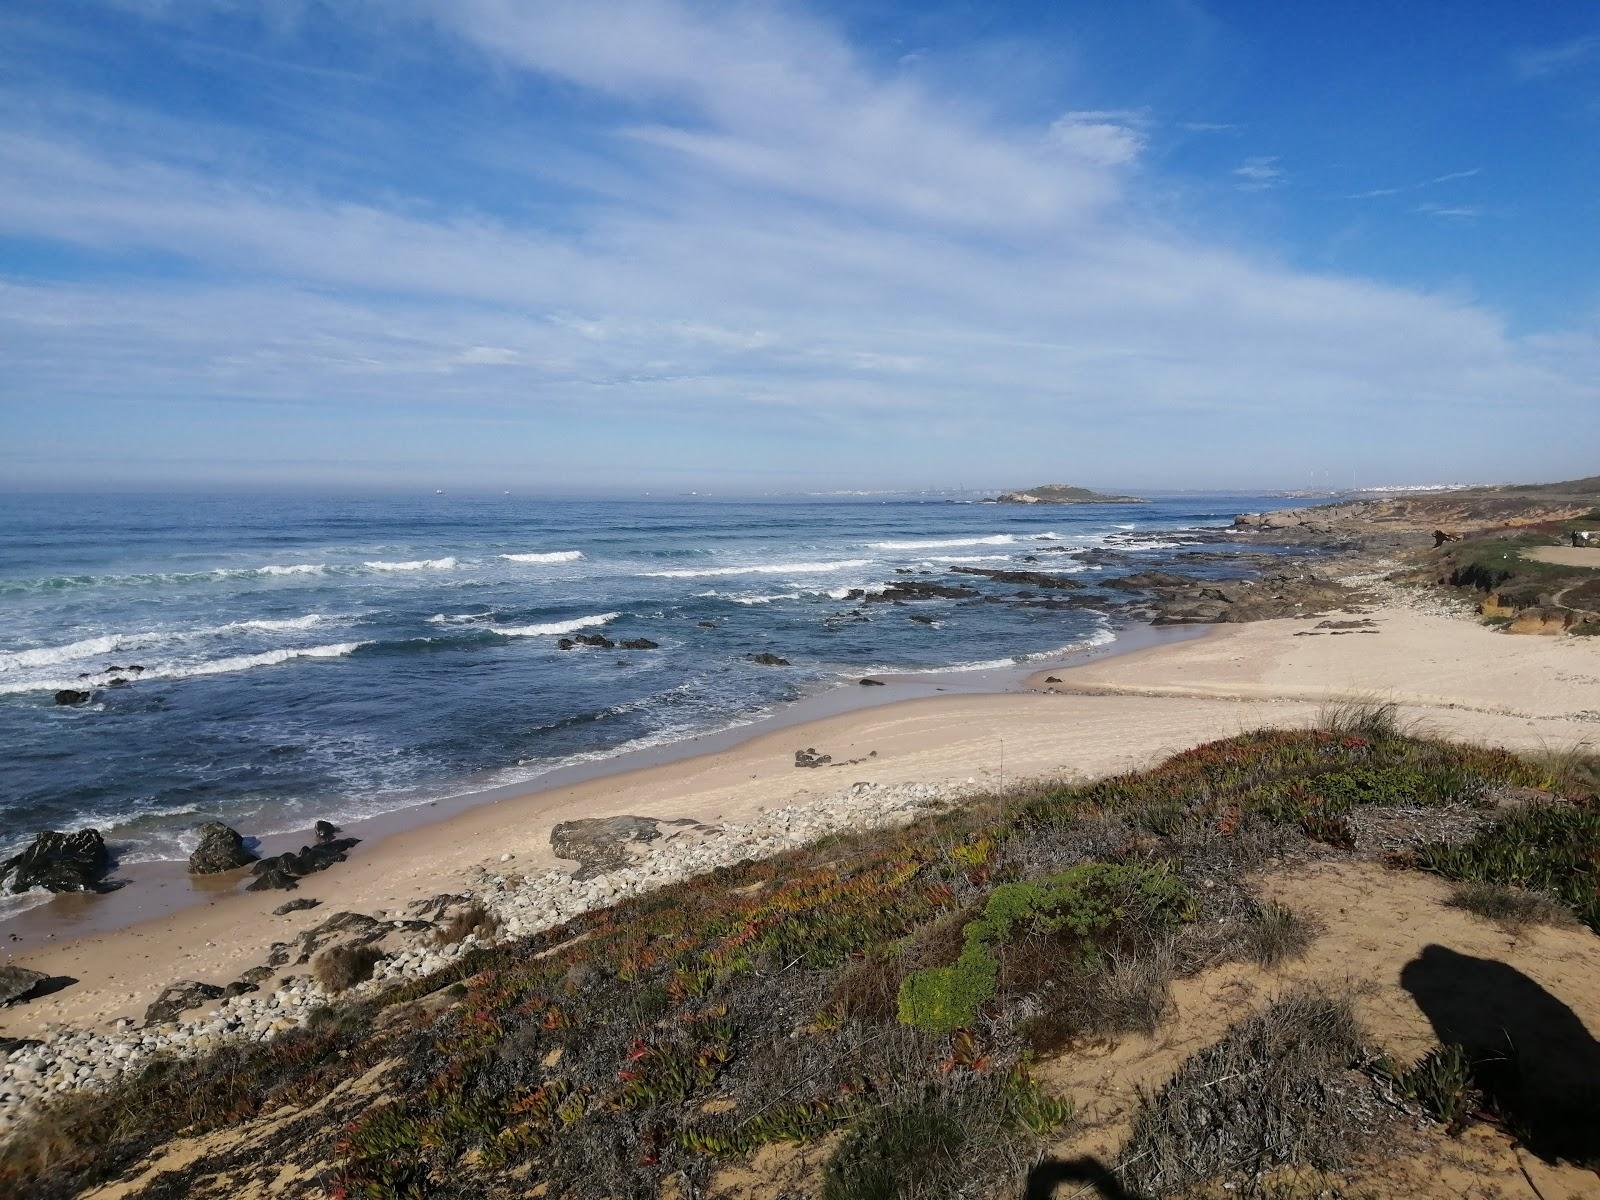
pixel 340 968
pixel 882 991
pixel 1064 922
pixel 1285 1088
pixel 1552 849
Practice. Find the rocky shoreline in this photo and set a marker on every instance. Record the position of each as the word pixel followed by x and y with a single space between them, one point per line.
pixel 638 856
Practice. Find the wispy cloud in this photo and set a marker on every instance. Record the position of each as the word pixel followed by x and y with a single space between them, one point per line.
pixel 1544 61
pixel 1259 173
pixel 1457 212
pixel 1449 177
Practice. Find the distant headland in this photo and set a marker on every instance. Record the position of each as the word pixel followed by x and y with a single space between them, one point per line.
pixel 1061 493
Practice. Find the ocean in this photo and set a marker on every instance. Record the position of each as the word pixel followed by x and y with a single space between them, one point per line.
pixel 342 657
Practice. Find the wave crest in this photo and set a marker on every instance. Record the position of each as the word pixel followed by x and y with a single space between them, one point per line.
pixel 555 628
pixel 804 568
pixel 549 556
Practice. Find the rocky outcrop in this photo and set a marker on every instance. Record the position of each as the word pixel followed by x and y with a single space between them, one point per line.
pixel 178 998
pixel 810 758
pixel 60 862
pixel 220 849
pixel 599 844
pixel 597 640
pixel 638 644
pixel 768 660
pixel 1062 493
pixel 73 696
pixel 1549 620
pixel 17 983
pixel 324 830
pixel 1038 579
pixel 292 906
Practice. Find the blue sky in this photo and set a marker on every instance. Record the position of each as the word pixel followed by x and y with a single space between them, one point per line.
pixel 647 243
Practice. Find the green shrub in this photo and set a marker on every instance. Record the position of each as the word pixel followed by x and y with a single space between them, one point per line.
pixel 1442 1083
pixel 1077 908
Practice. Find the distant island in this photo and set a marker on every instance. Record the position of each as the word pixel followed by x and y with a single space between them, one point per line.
pixel 1061 493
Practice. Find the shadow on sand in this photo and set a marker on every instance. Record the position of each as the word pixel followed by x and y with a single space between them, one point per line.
pixel 1051 1177
pixel 1539 1065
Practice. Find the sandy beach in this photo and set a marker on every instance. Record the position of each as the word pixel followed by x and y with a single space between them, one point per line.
pixel 1109 715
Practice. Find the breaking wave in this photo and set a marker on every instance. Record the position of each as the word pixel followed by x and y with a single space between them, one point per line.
pixel 551 556
pixel 555 628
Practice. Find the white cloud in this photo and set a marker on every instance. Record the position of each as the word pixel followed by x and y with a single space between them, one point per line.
pixel 1106 138
pixel 795 239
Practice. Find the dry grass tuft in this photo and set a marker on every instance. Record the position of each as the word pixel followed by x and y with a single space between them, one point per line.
pixel 1280 1090
pixel 339 968
pixel 1514 909
pixel 471 918
pixel 1275 935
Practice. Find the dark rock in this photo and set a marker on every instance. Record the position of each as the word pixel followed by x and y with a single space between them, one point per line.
pixel 810 758
pixel 872 683
pixel 275 878
pixel 768 660
pixel 220 849
pixel 178 998
pixel 922 619
pixel 17 983
pixel 60 862
pixel 639 644
pixel 325 830
pixel 344 928
pixel 1052 679
pixel 117 683
pixel 707 624
pixel 1039 579
pixel 300 905
pixel 1149 580
pixel 284 870
pixel 73 696
pixel 597 640
pixel 566 644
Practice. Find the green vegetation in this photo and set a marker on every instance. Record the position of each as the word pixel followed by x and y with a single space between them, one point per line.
pixel 1442 1082
pixel 1548 848
pixel 886 990
pixel 1077 911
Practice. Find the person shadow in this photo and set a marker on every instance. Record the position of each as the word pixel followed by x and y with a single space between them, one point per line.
pixel 1053 1173
pixel 1537 1063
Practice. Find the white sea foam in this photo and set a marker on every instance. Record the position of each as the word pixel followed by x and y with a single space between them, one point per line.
pixel 112 643
pixel 458 618
pixel 998 539
pixel 216 666
pixel 968 558
pixel 263 624
pixel 286 569
pixel 1127 527
pixel 418 564
pixel 555 628
pixel 552 556
pixel 811 568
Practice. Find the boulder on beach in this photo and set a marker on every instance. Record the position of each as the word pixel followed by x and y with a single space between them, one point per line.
pixel 872 683
pixel 60 862
pixel 284 870
pixel 220 849
pixel 325 830
pixel 17 983
pixel 290 906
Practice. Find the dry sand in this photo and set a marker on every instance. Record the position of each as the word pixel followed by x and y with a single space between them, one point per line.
pixel 1116 714
pixel 1566 556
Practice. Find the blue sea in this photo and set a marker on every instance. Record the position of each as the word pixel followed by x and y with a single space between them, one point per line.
pixel 341 657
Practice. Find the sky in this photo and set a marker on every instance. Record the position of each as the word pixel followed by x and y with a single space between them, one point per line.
pixel 571 246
